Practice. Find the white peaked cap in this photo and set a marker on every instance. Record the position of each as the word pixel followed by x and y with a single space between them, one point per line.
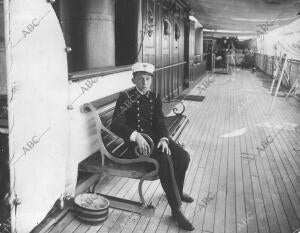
pixel 143 67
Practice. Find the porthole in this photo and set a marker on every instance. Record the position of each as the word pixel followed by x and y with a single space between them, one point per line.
pixel 177 31
pixel 150 23
pixel 167 27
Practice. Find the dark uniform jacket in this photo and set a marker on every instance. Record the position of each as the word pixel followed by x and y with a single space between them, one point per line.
pixel 142 113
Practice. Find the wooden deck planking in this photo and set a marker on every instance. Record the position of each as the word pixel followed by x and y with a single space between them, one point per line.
pixel 247 193
pixel 170 226
pixel 113 190
pixel 258 212
pixel 230 195
pixel 110 192
pixel 259 135
pixel 160 208
pixel 144 221
pixel 194 210
pixel 129 220
pixel 120 217
pixel 106 183
pixel 128 192
pixel 290 139
pixel 151 187
pixel 208 164
pixel 193 182
pixel 282 180
pixel 239 181
pixel 267 156
pixel 216 186
pixel 267 193
pixel 250 221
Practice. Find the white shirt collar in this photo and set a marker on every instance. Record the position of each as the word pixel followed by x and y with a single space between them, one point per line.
pixel 140 91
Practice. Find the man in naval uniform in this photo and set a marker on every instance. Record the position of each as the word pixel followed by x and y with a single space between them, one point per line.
pixel 140 111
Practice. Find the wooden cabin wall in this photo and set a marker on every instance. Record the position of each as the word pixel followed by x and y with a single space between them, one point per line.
pixel 89 29
pixel 198 41
pixel 3 88
pixel 164 50
pixel 200 58
pixel 207 48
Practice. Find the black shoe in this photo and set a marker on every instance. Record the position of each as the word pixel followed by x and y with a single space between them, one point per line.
pixel 187 198
pixel 182 221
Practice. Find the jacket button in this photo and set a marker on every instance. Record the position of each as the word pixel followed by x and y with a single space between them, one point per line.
pixel 142 130
pixel 138 114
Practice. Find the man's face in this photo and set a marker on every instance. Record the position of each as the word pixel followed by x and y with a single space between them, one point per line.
pixel 142 81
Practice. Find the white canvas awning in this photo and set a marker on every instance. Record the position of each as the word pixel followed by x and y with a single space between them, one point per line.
pixel 285 40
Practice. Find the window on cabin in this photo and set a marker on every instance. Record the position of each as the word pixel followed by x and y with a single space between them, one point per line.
pixel 150 23
pixel 177 31
pixel 167 27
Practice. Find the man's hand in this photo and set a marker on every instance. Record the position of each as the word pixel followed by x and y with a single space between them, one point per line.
pixel 143 145
pixel 164 146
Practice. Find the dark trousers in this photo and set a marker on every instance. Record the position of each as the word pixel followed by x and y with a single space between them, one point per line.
pixel 172 171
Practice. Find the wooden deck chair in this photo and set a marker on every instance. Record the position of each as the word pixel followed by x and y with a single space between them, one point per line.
pixel 284 66
pixel 277 64
pixel 293 89
pixel 276 75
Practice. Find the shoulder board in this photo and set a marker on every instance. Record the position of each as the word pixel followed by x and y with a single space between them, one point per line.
pixel 127 93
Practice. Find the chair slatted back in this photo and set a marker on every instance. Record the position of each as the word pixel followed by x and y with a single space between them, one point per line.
pixel 115 145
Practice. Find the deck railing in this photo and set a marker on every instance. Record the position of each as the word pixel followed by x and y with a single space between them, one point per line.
pixel 267 64
pixel 168 80
pixel 200 57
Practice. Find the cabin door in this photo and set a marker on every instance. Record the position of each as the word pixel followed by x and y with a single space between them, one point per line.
pixel 186 54
pixel 37 79
pixel 166 56
pixel 177 56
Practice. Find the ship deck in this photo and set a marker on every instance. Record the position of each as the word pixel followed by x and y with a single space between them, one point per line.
pixel 236 187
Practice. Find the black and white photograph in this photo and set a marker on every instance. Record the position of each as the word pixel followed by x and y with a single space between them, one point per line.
pixel 149 116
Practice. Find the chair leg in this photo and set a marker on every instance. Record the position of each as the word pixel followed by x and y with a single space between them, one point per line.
pixel 180 144
pixel 141 192
pixel 93 187
pixel 294 86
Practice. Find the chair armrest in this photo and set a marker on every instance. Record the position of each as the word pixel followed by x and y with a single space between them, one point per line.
pixel 176 110
pixel 142 159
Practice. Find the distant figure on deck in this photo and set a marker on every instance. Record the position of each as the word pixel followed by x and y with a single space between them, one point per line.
pixel 140 111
